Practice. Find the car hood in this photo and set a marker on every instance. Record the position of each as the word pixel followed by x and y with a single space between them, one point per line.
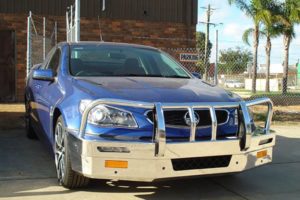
pixel 153 89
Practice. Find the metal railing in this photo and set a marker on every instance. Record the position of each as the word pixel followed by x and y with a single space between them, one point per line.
pixel 159 121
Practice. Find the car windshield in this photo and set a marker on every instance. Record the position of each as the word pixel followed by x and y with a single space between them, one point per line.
pixel 110 60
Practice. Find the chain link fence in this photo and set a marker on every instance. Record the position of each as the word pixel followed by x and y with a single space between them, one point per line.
pixel 41 38
pixel 232 70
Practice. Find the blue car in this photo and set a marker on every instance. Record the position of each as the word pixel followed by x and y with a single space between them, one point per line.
pixel 130 112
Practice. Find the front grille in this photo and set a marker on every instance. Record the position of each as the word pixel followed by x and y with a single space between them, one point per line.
pixel 175 118
pixel 201 162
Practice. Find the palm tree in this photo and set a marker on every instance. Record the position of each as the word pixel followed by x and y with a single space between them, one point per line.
pixel 252 9
pixel 270 31
pixel 269 17
pixel 290 16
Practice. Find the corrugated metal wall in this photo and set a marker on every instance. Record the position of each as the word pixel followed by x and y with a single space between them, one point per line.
pixel 182 11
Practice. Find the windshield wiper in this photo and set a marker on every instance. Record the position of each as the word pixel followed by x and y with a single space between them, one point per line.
pixel 176 76
pixel 142 75
pixel 154 75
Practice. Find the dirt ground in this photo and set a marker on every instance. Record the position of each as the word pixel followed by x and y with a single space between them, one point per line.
pixel 281 114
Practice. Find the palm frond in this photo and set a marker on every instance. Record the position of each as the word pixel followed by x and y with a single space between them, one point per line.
pixel 249 32
pixel 243 6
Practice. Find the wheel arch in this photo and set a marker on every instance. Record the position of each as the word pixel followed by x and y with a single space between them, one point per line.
pixel 56 114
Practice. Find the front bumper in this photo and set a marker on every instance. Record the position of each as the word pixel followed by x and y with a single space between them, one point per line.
pixel 148 161
pixel 143 165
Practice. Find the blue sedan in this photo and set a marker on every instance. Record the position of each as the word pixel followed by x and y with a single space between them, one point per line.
pixel 131 112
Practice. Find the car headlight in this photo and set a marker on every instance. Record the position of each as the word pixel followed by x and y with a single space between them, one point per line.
pixel 103 115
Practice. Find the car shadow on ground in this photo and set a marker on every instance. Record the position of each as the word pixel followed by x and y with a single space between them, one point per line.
pixel 27 169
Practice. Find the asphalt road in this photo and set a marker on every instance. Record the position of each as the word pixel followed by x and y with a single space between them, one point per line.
pixel 27 172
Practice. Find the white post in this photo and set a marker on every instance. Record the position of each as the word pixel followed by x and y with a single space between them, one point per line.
pixel 44 38
pixel 71 23
pixel 103 5
pixel 67 25
pixel 28 55
pixel 77 20
pixel 217 58
pixel 55 32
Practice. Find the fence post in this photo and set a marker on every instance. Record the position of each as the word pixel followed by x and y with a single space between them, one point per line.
pixel 71 24
pixel 55 32
pixel 77 20
pixel 44 38
pixel 29 52
pixel 67 26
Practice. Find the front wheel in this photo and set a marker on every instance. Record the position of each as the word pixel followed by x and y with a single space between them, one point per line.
pixel 66 176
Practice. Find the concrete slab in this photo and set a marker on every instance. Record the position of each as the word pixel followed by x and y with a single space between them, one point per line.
pixel 22 158
pixel 27 172
pixel 48 189
pixel 287 144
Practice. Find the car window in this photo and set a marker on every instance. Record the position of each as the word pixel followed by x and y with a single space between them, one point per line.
pixel 54 61
pixel 110 60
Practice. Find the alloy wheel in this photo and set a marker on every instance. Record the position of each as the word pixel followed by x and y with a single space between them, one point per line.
pixel 60 151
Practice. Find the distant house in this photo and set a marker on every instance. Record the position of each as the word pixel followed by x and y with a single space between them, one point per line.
pixel 276 74
pixel 276 70
pixel 159 23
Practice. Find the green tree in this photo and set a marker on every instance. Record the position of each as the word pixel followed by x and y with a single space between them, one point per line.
pixel 289 17
pixel 200 38
pixel 268 16
pixel 234 61
pixel 252 8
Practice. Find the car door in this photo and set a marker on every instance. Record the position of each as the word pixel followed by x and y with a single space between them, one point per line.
pixel 35 98
pixel 47 94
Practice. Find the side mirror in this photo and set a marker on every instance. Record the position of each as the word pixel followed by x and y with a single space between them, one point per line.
pixel 197 75
pixel 37 66
pixel 43 74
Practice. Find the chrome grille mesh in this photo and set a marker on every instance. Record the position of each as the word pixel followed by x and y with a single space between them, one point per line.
pixel 175 118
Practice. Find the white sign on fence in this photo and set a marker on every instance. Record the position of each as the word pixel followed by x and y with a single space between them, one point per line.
pixel 189 57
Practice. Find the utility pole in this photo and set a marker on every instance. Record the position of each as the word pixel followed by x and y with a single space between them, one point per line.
pixel 206 63
pixel 209 11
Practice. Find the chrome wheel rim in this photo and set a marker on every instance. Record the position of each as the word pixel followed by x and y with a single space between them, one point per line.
pixel 60 151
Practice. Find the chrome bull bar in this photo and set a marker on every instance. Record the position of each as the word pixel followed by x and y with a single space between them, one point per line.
pixel 159 121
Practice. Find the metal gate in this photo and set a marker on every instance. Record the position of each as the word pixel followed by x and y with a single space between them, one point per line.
pixel 41 38
pixel 7 66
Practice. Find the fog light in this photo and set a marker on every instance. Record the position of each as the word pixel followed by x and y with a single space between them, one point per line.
pixel 262 154
pixel 116 164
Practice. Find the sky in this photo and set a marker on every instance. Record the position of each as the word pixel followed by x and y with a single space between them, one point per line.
pixel 235 22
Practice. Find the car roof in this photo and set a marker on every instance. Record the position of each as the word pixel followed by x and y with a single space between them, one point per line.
pixel 98 43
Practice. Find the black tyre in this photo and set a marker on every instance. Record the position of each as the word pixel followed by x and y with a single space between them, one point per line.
pixel 66 176
pixel 28 125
